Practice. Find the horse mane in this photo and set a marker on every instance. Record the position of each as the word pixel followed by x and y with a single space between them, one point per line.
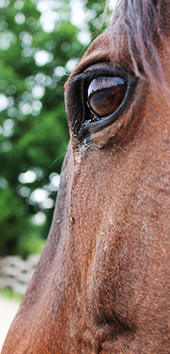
pixel 145 23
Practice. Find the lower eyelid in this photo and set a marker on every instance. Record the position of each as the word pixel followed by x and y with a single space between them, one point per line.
pixel 88 127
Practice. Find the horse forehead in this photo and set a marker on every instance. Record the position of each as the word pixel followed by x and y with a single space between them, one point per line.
pixel 98 51
pixel 98 46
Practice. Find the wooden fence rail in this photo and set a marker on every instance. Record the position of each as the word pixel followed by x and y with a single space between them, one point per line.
pixel 16 273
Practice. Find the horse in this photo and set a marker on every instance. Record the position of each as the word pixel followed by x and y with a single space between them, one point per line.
pixel 102 284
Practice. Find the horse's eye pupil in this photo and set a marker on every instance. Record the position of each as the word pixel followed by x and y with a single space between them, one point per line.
pixel 105 94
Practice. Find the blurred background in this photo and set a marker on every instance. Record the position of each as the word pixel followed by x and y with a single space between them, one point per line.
pixel 41 41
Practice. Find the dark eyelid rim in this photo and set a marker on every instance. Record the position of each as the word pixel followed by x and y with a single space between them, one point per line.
pixel 83 128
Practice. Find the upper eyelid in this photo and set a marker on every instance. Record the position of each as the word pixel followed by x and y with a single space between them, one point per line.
pixel 105 69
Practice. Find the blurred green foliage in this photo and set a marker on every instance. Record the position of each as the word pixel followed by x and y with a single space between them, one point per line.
pixel 40 42
pixel 9 294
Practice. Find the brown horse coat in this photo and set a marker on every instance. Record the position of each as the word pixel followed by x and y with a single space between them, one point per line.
pixel 102 284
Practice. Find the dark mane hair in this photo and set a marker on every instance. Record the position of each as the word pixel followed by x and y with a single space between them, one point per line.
pixel 145 23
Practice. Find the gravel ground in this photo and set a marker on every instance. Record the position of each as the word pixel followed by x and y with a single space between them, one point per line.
pixel 8 310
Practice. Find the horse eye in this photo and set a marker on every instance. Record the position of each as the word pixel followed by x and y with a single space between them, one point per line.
pixel 105 95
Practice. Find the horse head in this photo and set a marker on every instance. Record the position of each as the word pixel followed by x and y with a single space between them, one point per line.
pixel 102 284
